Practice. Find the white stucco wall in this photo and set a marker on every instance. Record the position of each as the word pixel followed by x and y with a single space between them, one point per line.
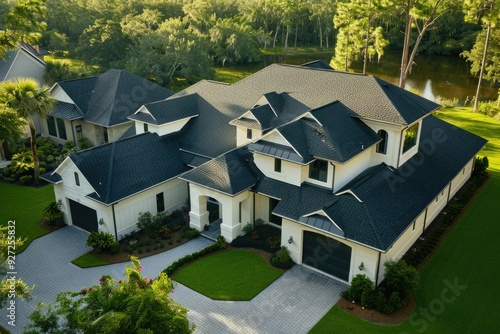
pixel 392 144
pixel 290 172
pixel 163 129
pixel 461 178
pixel 175 193
pixel 241 135
pixel 346 172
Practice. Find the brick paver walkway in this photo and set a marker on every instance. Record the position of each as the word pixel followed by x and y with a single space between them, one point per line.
pixel 292 304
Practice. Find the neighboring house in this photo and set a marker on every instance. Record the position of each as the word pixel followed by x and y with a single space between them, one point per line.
pixel 97 108
pixel 25 62
pixel 352 169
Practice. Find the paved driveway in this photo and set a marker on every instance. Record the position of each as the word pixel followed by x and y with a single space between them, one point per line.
pixel 292 304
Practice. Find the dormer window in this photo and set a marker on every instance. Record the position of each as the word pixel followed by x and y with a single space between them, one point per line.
pixel 318 170
pixel 382 145
pixel 410 139
pixel 146 127
pixel 249 133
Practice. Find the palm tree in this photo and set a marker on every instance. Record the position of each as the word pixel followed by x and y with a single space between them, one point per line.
pixel 28 99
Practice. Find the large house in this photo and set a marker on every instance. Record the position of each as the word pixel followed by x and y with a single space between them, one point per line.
pixel 97 108
pixel 352 169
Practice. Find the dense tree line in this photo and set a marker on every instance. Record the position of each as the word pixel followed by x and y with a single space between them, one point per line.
pixel 141 35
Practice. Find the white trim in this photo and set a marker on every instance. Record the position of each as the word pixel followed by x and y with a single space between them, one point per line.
pixel 323 213
pixel 349 191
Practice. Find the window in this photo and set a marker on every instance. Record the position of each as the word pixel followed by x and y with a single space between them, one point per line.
pixel 79 132
pixel 77 179
pixel 105 133
pixel 61 127
pixel 160 202
pixel 410 137
pixel 277 165
pixel 318 170
pixel 249 133
pixel 146 127
pixel 382 146
pixel 51 124
pixel 414 222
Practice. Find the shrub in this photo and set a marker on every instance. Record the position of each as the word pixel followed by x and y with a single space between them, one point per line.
pixel 282 259
pixel 100 240
pixel 258 222
pixel 247 228
pixel 481 166
pixel 192 233
pixel 274 242
pixel 368 298
pixel 359 284
pixel 165 232
pixel 394 302
pixel 255 235
pixel 399 276
pixel 50 211
pixel 115 247
pixel 150 224
pixel 380 301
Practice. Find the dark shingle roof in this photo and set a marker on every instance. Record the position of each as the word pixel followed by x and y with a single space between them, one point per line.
pixel 320 64
pixel 390 198
pixel 51 177
pixel 108 99
pixel 118 94
pixel 337 137
pixel 212 133
pixel 169 110
pixel 66 111
pixel 128 166
pixel 230 173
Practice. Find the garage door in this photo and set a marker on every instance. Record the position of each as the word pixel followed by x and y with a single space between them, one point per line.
pixel 327 255
pixel 83 216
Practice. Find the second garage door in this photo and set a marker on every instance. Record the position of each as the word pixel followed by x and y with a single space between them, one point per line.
pixel 83 216
pixel 326 254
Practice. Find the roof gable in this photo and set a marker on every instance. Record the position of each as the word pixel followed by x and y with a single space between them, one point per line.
pixel 128 166
pixel 170 110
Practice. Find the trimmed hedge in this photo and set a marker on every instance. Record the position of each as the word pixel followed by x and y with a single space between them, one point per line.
pixel 218 245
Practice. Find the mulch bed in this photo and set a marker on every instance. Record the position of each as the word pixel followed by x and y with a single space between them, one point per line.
pixel 397 317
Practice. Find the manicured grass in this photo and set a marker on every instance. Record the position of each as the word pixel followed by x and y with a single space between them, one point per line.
pixel 230 275
pixel 229 75
pixel 88 260
pixel 467 259
pixel 24 205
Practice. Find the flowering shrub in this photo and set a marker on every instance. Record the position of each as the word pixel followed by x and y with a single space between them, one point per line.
pixel 143 304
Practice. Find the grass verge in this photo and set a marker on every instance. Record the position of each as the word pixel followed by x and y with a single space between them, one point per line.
pixel 25 206
pixel 230 275
pixel 458 290
pixel 89 260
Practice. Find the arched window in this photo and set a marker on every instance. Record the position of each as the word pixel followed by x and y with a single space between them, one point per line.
pixel 382 146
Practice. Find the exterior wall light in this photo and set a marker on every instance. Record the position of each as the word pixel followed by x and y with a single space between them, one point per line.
pixel 361 266
pixel 101 221
pixel 290 240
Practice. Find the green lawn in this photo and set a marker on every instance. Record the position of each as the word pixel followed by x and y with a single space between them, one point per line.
pixel 467 260
pixel 88 260
pixel 231 275
pixel 25 206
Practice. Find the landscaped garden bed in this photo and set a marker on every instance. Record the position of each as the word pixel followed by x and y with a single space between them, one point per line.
pixel 157 234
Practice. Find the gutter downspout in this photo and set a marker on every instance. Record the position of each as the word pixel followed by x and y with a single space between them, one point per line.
pixel 114 221
pixel 73 131
pixel 378 268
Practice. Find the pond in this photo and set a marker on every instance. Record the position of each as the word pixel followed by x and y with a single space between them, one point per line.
pixel 435 77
